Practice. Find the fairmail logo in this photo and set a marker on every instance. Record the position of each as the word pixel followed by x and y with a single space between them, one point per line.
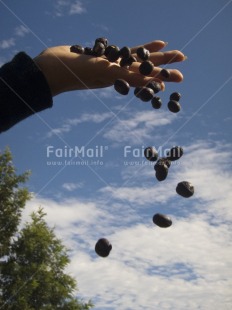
pixel 76 151
pixel 139 151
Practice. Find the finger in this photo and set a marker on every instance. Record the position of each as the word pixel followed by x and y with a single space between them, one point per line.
pixel 160 58
pixel 151 46
pixel 134 78
pixel 175 75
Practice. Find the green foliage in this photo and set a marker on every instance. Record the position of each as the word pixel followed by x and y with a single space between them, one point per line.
pixel 32 260
pixel 12 200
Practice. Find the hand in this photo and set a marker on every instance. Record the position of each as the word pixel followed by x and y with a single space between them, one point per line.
pixel 66 71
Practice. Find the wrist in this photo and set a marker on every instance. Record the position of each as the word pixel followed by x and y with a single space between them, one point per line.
pixel 46 67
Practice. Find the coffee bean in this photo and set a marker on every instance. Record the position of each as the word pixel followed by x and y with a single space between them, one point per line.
pixel 146 67
pixel 175 153
pixel 150 153
pixel 161 172
pixel 88 51
pixel 77 49
pixel 162 220
pixel 175 96
pixel 113 54
pixel 121 86
pixel 146 94
pixel 156 102
pixel 143 53
pixel 185 189
pixel 155 86
pixel 174 106
pixel 125 52
pixel 103 247
pixel 162 161
pixel 165 73
pixel 104 41
pixel 137 91
pixel 98 49
pixel 108 49
pixel 127 61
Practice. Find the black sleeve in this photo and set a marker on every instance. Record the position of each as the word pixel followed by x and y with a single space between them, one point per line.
pixel 23 91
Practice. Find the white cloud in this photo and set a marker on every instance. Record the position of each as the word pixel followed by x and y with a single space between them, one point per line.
pixel 150 268
pixel 72 186
pixel 99 93
pixel 21 31
pixel 77 8
pixel 91 117
pixel 132 127
pixel 59 131
pixel 136 127
pixel 187 266
pixel 68 7
pixel 86 117
pixel 4 44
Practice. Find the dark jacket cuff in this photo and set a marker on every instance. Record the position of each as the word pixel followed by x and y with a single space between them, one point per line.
pixel 23 90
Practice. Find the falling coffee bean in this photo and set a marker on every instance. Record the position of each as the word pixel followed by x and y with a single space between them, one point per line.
pixel 77 49
pixel 146 67
pixel 155 86
pixel 174 106
pixel 165 73
pixel 175 153
pixel 175 96
pixel 161 172
pixel 121 86
pixel 150 153
pixel 137 91
pixel 146 94
pixel 162 220
pixel 156 102
pixel 162 161
pixel 185 189
pixel 103 247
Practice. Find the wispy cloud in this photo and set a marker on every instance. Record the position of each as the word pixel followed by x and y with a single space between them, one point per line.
pixel 65 128
pixel 134 128
pixel 90 117
pixel 102 93
pixel 21 31
pixel 77 8
pixel 188 261
pixel 7 43
pixel 72 186
pixel 86 117
pixel 131 128
pixel 67 7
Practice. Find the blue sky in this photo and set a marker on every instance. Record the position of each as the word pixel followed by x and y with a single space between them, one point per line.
pixel 187 266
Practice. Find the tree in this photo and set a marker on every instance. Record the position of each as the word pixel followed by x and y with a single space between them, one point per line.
pixel 33 260
pixel 12 200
